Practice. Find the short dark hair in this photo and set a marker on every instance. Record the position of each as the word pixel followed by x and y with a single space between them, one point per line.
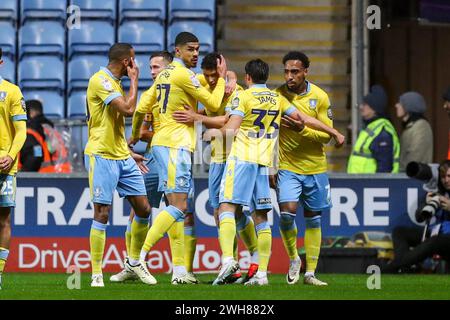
pixel 185 37
pixel 35 105
pixel 119 51
pixel 258 70
pixel 166 55
pixel 209 61
pixel 297 55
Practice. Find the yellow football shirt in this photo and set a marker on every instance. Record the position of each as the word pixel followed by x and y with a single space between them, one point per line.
pixel 261 110
pixel 153 114
pixel 174 88
pixel 303 152
pixel 106 126
pixel 12 108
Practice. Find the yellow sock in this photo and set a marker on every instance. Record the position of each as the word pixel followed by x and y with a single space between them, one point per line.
pixel 2 265
pixel 313 240
pixel 97 243
pixel 190 245
pixel 176 238
pixel 3 257
pixel 289 232
pixel 128 238
pixel 161 225
pixel 227 233
pixel 264 245
pixel 138 233
pixel 235 248
pixel 248 236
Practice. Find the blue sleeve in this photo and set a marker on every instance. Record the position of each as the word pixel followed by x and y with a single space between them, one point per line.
pixel 382 149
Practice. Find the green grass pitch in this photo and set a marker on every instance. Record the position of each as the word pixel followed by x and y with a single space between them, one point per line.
pixel 341 286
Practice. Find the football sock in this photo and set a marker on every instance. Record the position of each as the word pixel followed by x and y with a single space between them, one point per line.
pixel 313 239
pixel 139 230
pixel 288 231
pixel 176 239
pixel 128 238
pixel 227 233
pixel 3 257
pixel 247 233
pixel 235 248
pixel 190 244
pixel 264 245
pixel 97 246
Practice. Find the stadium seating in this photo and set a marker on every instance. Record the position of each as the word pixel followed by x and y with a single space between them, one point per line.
pixel 142 9
pixel 93 37
pixel 52 102
pixel 145 76
pixel 95 9
pixel 42 37
pixel 9 11
pixel 81 68
pixel 43 9
pixel 76 107
pixel 7 70
pixel 144 36
pixel 192 9
pixel 8 39
pixel 203 30
pixel 41 72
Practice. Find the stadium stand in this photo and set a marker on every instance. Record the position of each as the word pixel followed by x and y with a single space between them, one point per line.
pixel 145 36
pixel 42 72
pixel 94 9
pixel 86 39
pixel 43 9
pixel 203 30
pixel 81 68
pixel 42 37
pixel 145 77
pixel 76 105
pixel 8 39
pixel 9 11
pixel 192 9
pixel 142 9
pixel 8 70
pixel 52 102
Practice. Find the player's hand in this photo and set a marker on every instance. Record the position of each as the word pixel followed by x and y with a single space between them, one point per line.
pixel 133 70
pixel 222 67
pixel 211 133
pixel 231 84
pixel 141 162
pixel 293 124
pixel 6 163
pixel 445 203
pixel 340 139
pixel 187 116
pixel 273 181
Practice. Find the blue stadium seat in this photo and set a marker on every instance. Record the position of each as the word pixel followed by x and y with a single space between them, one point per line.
pixel 8 39
pixel 142 9
pixel 9 11
pixel 93 37
pixel 203 30
pixel 52 102
pixel 144 36
pixel 81 69
pixel 145 76
pixel 41 72
pixel 43 9
pixel 76 108
pixel 95 9
pixel 43 37
pixel 8 70
pixel 192 9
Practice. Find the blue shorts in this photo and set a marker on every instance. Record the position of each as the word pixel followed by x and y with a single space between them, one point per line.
pixel 151 181
pixel 246 184
pixel 7 191
pixel 215 177
pixel 313 191
pixel 175 169
pixel 107 175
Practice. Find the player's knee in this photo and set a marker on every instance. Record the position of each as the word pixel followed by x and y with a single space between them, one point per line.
pixel 288 207
pixel 313 222
pixel 287 221
pixel 5 222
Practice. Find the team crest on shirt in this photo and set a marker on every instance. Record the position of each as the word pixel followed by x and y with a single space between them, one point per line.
pixel 235 103
pixel 313 104
pixel 195 81
pixel 3 95
pixel 97 192
pixel 23 104
pixel 107 85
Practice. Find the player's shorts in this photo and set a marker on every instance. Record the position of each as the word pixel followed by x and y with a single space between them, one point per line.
pixel 175 169
pixel 151 181
pixel 246 183
pixel 313 191
pixel 107 175
pixel 215 177
pixel 7 191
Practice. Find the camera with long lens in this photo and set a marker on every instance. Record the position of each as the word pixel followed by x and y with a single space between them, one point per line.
pixel 427 173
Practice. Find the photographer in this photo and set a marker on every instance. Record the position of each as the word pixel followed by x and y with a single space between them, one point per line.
pixel 436 211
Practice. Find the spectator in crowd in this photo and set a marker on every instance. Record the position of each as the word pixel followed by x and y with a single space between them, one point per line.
pixel 446 97
pixel 377 148
pixel 416 141
pixel 436 211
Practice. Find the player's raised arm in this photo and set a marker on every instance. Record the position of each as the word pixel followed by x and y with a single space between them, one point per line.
pixel 148 99
pixel 127 105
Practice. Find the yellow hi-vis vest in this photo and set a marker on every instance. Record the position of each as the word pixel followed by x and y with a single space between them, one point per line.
pixel 361 159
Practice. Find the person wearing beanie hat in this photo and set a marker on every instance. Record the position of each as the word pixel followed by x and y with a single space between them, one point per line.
pixel 417 138
pixel 377 148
